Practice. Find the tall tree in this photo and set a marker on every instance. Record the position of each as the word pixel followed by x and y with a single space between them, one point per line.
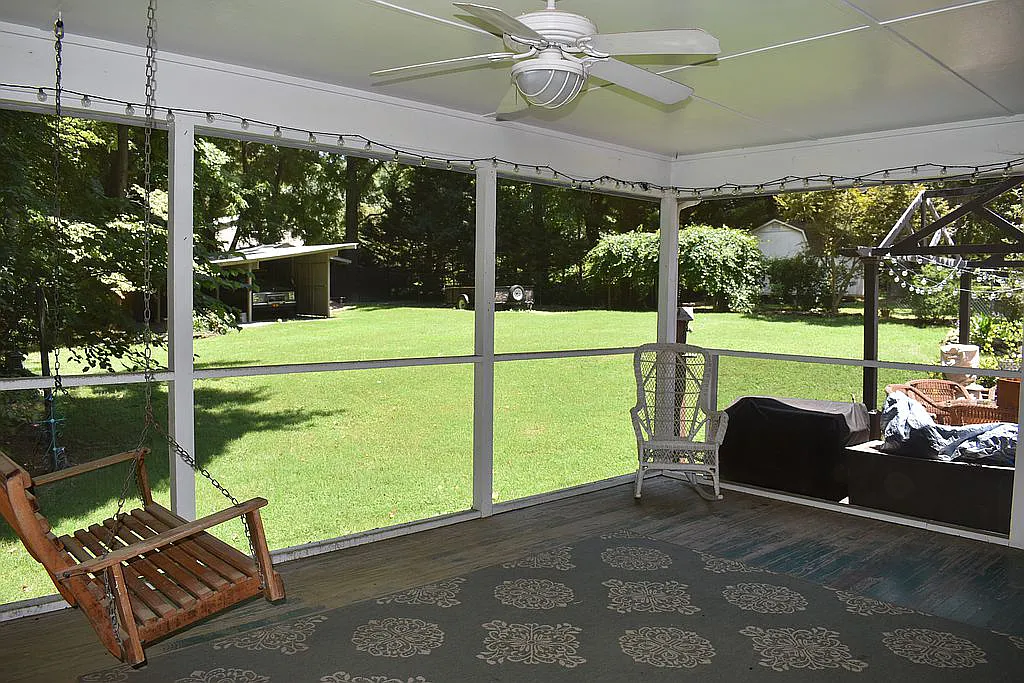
pixel 840 219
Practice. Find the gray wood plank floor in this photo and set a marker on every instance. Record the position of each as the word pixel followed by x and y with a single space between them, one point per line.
pixel 969 581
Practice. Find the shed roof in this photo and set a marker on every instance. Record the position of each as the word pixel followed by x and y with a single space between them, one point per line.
pixel 270 252
pixel 775 222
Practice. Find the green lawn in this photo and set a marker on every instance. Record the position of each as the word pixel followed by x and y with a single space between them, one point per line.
pixel 337 453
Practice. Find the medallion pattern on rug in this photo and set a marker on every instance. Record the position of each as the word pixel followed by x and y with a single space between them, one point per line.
pixel 398 637
pixel 222 675
pixel 649 596
pixel 531 644
pixel 636 558
pixel 288 639
pixel 782 649
pixel 866 607
pixel 559 558
pixel 765 598
pixel 666 647
pixel 534 594
pixel 345 677
pixel 934 648
pixel 441 594
pixel 719 565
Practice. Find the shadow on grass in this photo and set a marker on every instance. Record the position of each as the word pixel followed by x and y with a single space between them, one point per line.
pixel 109 421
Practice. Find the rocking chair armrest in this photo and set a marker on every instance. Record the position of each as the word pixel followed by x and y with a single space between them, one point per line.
pixel 91 466
pixel 162 539
pixel 638 425
pixel 718 421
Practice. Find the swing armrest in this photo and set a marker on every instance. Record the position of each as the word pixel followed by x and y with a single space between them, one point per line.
pixel 162 539
pixel 91 466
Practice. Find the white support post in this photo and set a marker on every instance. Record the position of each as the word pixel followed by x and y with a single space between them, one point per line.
pixel 483 347
pixel 181 394
pixel 668 267
pixel 1017 502
pixel 668 270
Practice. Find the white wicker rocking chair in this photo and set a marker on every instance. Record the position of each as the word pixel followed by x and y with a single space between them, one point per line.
pixel 676 429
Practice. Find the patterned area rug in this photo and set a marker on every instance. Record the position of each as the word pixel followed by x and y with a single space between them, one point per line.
pixel 614 608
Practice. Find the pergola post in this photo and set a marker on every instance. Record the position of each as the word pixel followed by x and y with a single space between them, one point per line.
pixel 180 392
pixel 871 295
pixel 965 307
pixel 668 270
pixel 483 344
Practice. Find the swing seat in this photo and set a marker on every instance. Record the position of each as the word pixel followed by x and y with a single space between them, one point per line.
pixel 163 571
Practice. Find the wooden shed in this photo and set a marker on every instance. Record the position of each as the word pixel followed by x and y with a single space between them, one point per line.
pixel 305 268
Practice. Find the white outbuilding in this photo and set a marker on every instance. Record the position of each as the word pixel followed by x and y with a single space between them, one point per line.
pixel 779 239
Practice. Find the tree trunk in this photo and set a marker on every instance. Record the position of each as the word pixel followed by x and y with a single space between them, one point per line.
pixel 353 197
pixel 241 225
pixel 116 184
pixel 541 262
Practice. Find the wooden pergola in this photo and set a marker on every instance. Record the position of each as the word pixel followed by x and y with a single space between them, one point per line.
pixel 922 233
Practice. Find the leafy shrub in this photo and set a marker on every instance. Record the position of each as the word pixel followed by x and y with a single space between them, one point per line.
pixel 799 281
pixel 996 335
pixel 940 305
pixel 724 264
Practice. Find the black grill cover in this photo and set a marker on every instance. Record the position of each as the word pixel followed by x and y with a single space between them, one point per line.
pixel 791 445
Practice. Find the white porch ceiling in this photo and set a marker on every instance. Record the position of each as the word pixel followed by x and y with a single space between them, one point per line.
pixel 790 70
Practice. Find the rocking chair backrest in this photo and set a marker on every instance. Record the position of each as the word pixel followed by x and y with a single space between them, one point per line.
pixel 21 510
pixel 673 399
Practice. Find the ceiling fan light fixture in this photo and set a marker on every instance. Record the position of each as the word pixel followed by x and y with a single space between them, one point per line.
pixel 549 83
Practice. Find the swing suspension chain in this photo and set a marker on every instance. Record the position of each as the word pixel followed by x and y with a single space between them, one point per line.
pixel 150 422
pixel 58 48
pixel 147 315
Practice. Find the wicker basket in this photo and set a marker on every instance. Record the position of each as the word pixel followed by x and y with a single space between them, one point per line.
pixel 971 413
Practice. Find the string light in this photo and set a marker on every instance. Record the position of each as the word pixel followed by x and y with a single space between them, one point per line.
pixel 947 172
pixel 312 139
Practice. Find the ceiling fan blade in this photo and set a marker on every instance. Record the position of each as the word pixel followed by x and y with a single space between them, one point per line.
pixel 684 41
pixel 641 81
pixel 492 57
pixel 511 103
pixel 499 21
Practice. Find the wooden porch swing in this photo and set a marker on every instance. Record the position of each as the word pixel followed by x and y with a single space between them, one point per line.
pixel 143 574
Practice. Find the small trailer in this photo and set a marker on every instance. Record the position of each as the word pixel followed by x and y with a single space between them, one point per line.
pixel 511 296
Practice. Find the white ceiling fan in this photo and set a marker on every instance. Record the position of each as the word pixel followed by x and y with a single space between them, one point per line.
pixel 555 51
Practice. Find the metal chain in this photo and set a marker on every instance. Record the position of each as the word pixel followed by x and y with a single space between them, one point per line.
pixel 150 421
pixel 58 381
pixel 147 240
